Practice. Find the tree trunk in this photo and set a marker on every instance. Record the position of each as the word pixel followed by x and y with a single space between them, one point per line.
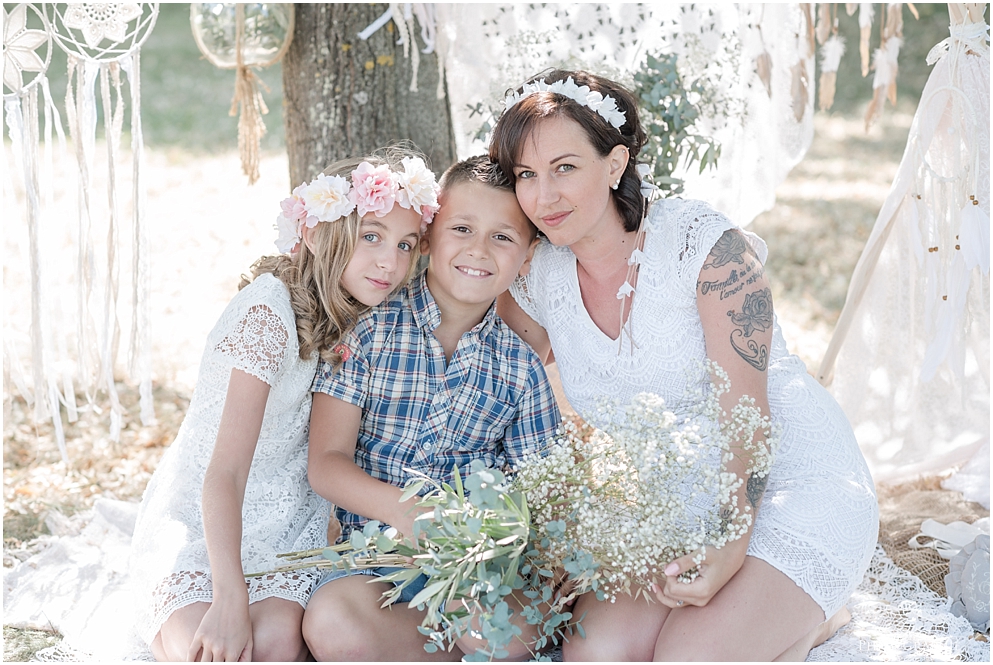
pixel 346 96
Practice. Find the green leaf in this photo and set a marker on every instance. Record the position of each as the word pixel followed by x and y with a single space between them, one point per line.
pixel 357 540
pixel 427 593
pixel 412 489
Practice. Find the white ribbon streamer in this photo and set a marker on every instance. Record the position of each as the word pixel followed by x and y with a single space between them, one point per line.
pixel 376 25
pixel 139 361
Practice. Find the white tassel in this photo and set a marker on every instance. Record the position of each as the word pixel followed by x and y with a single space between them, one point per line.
pixel 81 117
pixel 60 358
pixel 625 290
pixel 22 147
pixel 637 256
pixel 974 238
pixel 426 17
pixel 139 360
pixel 13 365
pixel 110 333
pixel 914 225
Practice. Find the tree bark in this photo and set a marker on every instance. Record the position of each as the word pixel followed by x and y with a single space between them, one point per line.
pixel 345 97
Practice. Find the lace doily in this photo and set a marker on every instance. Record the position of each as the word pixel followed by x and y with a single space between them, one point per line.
pixel 20 48
pixel 895 617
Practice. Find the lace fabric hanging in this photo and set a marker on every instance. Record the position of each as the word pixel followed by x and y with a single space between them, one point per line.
pixel 101 41
pixel 492 48
pixel 244 36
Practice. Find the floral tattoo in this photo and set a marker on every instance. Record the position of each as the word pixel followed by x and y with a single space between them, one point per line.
pixel 729 248
pixel 756 314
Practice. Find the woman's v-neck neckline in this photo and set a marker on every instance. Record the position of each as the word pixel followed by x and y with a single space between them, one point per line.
pixel 587 319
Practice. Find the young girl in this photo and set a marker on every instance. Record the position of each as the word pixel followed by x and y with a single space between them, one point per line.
pixel 232 490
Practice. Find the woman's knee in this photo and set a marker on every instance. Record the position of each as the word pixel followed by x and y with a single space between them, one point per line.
pixel 172 643
pixel 277 635
pixel 600 649
pixel 334 629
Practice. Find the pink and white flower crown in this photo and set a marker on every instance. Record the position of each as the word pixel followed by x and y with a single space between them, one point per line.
pixel 373 189
pixel 606 107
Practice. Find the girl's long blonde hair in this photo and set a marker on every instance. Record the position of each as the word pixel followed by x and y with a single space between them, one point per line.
pixel 325 311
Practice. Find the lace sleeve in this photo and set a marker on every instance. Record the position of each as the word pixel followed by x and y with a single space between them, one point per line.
pixel 257 344
pixel 698 227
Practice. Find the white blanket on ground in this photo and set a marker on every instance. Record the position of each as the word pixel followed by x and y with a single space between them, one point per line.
pixel 78 585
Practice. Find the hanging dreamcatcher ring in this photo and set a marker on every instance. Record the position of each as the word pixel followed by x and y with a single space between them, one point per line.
pixel 20 49
pixel 81 28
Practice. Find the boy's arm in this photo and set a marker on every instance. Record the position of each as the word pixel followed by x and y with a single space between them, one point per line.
pixel 333 473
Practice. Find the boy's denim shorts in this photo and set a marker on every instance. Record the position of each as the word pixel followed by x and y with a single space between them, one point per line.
pixel 406 595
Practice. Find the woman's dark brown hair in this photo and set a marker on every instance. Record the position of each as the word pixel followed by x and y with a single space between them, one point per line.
pixel 518 122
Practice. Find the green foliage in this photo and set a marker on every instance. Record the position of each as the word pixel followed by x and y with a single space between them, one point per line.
pixel 473 546
pixel 670 108
pixel 473 538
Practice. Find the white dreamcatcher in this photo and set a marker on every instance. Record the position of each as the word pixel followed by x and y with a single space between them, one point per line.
pixel 101 41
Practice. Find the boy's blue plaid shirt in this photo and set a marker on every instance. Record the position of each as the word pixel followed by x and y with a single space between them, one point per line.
pixel 492 402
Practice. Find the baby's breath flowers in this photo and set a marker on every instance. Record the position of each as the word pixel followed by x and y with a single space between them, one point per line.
pixel 614 506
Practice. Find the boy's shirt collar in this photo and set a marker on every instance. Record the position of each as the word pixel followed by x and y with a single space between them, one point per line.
pixel 427 314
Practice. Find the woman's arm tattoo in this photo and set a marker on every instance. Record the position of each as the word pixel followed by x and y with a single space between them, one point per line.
pixel 755 488
pixel 729 248
pixel 756 314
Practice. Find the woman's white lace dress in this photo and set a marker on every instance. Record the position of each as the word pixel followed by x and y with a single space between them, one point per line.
pixel 281 513
pixel 818 521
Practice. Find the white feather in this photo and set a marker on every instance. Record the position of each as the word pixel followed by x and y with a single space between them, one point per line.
pixel 974 238
pixel 831 54
pixel 865 14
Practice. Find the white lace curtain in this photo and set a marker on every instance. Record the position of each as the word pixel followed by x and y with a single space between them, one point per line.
pixel 490 48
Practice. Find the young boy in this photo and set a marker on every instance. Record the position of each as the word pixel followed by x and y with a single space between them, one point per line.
pixel 429 380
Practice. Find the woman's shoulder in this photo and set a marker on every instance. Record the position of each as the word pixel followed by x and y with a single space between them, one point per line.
pixel 694 226
pixel 691 215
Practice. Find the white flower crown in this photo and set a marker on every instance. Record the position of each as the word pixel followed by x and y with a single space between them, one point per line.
pixel 373 189
pixel 606 107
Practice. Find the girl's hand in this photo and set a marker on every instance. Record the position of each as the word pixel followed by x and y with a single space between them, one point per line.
pixel 716 569
pixel 224 634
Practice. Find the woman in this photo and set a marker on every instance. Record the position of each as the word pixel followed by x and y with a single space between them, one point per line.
pixel 626 300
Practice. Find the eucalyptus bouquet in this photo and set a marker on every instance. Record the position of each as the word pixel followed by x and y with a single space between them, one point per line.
pixel 473 544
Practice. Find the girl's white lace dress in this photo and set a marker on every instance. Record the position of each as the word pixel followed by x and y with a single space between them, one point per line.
pixel 281 513
pixel 818 522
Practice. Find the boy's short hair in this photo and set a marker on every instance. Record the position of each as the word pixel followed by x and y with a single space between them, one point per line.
pixel 476 169
pixel 480 169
